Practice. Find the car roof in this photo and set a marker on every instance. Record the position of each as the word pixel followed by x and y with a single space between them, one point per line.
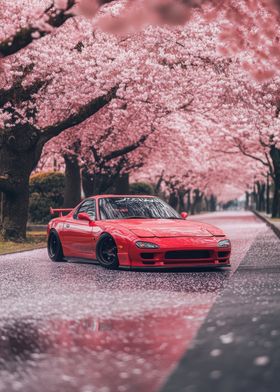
pixel 111 196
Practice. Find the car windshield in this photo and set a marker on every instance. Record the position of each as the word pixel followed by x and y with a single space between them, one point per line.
pixel 135 207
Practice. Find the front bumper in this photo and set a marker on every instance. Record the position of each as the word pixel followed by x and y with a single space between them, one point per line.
pixel 180 252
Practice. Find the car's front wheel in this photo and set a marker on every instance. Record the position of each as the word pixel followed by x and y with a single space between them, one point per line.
pixel 107 252
pixel 54 247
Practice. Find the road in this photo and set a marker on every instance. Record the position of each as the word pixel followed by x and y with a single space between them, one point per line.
pixel 77 327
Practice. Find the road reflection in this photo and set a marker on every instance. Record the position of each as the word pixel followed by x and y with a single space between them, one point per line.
pixel 98 355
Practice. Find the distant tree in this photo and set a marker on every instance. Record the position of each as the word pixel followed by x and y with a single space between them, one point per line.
pixel 141 188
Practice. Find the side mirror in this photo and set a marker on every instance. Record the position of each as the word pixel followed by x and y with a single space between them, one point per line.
pixel 84 216
pixel 184 215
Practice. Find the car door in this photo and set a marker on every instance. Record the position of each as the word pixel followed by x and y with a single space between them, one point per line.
pixel 78 235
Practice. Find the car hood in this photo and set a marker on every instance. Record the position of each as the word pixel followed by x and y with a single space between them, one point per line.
pixel 163 228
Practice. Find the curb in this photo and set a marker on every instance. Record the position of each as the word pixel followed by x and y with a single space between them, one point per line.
pixel 21 251
pixel 268 222
pixel 31 227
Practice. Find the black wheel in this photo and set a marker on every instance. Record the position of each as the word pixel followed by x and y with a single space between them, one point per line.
pixel 54 247
pixel 107 252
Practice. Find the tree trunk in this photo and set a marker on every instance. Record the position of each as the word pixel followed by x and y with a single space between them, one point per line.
pixel 122 184
pixel 267 194
pixel 188 207
pixel 158 184
pixel 257 198
pixel 18 157
pixel 247 200
pixel 275 200
pixel 102 184
pixel 213 203
pixel 72 192
pixel 1 209
pixel 192 205
pixel 181 195
pixel 260 206
pixel 15 213
pixel 207 203
pixel 97 184
pixel 275 156
pixel 262 197
pixel 254 197
pixel 197 199
pixel 173 200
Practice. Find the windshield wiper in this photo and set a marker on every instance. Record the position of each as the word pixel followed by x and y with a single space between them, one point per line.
pixel 136 217
pixel 149 217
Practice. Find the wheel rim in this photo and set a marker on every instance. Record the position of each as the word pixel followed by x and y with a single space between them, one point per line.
pixel 53 245
pixel 108 251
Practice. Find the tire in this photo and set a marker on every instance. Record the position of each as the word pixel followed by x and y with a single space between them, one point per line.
pixel 54 247
pixel 107 252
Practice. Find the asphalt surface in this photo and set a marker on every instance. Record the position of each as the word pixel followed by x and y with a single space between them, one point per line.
pixel 77 327
pixel 238 346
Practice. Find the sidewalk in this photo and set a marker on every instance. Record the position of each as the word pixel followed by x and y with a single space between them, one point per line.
pixel 274 224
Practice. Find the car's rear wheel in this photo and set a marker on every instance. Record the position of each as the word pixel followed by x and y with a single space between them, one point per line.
pixel 107 252
pixel 54 247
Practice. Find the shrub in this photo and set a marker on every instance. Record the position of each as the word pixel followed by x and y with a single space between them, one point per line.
pixel 141 188
pixel 46 190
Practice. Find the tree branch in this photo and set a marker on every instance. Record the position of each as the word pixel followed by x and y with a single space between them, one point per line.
pixel 186 105
pixel 17 93
pixel 95 154
pixel 125 150
pixel 244 152
pixel 83 114
pixel 271 170
pixel 27 35
pixel 158 183
pixel 108 131
pixel 225 151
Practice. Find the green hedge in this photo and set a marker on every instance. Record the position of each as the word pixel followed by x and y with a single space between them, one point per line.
pixel 46 190
pixel 141 188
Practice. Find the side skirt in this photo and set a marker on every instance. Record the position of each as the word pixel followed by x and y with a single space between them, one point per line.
pixel 81 260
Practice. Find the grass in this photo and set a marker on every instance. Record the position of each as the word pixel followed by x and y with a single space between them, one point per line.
pixel 275 219
pixel 34 240
pixel 272 220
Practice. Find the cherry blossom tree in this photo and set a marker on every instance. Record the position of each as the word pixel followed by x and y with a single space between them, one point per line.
pixel 39 70
pixel 58 69
pixel 30 114
pixel 250 127
pixel 208 102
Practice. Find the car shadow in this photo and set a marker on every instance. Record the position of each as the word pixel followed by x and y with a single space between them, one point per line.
pixel 219 269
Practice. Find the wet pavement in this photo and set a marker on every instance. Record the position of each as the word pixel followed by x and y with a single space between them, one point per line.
pixel 238 346
pixel 78 327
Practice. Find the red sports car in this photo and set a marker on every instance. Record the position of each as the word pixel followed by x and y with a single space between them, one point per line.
pixel 135 231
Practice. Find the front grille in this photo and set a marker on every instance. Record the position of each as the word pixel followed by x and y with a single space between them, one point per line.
pixel 147 255
pixel 223 254
pixel 187 254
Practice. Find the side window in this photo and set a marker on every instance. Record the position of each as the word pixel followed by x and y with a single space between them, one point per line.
pixel 91 210
pixel 87 206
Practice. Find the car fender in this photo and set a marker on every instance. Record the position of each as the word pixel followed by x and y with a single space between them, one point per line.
pixel 55 224
pixel 123 238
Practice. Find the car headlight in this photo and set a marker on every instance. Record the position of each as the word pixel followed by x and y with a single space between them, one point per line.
pixel 146 245
pixel 224 243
